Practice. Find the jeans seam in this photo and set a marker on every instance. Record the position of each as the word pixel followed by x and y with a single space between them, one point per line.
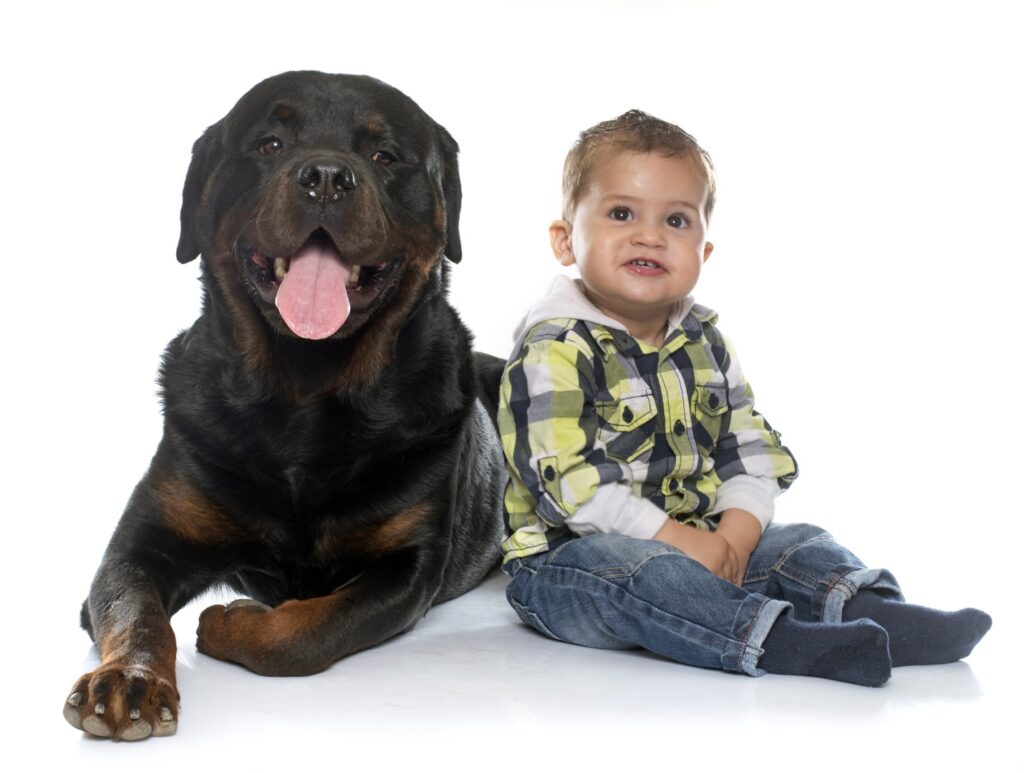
pixel 751 626
pixel 807 580
pixel 625 571
pixel 613 571
pixel 535 620
pixel 746 636
pixel 588 574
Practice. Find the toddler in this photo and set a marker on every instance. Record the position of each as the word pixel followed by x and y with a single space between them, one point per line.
pixel 643 481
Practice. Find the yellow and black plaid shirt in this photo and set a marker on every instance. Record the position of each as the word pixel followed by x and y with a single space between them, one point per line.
pixel 584 405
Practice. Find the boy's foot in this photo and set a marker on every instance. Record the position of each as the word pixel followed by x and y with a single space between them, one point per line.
pixel 920 636
pixel 856 652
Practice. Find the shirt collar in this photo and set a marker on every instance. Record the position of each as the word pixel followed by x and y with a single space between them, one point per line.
pixel 565 299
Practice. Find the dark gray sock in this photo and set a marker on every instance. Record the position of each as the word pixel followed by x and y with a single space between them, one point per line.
pixel 920 636
pixel 855 652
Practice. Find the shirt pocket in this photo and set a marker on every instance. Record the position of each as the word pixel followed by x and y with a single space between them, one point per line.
pixel 709 405
pixel 626 426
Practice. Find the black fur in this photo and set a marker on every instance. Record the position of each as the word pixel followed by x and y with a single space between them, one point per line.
pixel 360 472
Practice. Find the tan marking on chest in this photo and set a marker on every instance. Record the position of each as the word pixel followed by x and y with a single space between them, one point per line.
pixel 393 534
pixel 191 515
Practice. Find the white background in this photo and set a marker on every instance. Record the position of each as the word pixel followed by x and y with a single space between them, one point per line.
pixel 867 263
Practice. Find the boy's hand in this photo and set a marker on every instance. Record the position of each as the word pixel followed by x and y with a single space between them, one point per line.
pixel 742 531
pixel 707 548
pixel 724 552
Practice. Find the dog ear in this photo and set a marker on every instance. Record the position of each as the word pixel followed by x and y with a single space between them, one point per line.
pixel 452 188
pixel 192 238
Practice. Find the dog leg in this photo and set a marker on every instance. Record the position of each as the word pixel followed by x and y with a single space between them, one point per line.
pixel 146 576
pixel 132 695
pixel 303 637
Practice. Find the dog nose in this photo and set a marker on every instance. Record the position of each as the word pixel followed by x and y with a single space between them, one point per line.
pixel 326 179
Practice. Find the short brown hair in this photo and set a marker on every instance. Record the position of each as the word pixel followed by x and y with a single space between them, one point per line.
pixel 632 132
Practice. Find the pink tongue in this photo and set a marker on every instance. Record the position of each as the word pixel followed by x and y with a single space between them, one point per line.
pixel 312 298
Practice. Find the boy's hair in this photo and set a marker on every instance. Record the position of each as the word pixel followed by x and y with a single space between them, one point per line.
pixel 632 132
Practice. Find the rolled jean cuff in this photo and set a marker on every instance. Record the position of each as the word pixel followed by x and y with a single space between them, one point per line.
pixel 844 584
pixel 757 631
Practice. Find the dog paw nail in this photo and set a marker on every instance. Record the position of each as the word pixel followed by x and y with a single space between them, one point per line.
pixel 75 699
pixel 167 724
pixel 100 708
pixel 134 714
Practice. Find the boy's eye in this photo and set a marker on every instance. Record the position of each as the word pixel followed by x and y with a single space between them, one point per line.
pixel 621 213
pixel 677 221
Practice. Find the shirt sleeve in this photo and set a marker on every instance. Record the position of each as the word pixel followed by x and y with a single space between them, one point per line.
pixel 549 434
pixel 750 460
pixel 751 494
pixel 615 509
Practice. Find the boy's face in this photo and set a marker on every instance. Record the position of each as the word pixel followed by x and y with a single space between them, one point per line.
pixel 638 235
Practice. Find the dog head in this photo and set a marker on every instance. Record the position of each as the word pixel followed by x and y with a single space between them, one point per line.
pixel 322 204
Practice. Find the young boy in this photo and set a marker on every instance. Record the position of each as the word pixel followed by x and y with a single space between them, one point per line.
pixel 643 480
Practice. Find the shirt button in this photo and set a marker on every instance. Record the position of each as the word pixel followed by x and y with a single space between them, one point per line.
pixel 549 472
pixel 627 415
pixel 673 484
pixel 713 400
pixel 679 429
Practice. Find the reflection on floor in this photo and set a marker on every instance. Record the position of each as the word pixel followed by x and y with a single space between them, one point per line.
pixel 473 686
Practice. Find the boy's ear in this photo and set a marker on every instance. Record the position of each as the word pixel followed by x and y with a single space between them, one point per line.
pixel 708 247
pixel 560 232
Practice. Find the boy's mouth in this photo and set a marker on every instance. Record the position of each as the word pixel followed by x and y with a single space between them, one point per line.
pixel 645 265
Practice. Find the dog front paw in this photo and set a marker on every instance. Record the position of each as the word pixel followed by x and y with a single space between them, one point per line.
pixel 229 632
pixel 125 703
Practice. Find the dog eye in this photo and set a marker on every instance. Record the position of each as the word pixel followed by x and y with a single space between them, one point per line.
pixel 270 145
pixel 383 158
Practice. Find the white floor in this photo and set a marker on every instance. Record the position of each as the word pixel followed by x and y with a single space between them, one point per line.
pixel 471 688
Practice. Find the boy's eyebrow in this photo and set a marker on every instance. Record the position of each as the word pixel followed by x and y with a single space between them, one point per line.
pixel 609 198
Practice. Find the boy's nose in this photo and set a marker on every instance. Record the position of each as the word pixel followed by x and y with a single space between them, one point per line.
pixel 648 235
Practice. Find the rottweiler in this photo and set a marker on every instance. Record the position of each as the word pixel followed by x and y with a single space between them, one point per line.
pixel 327 450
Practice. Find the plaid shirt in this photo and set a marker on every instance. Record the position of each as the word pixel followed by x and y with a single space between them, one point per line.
pixel 602 432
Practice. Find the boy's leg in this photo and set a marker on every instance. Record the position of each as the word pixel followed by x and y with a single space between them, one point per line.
pixel 825 582
pixel 612 591
pixel 802 564
pixel 920 636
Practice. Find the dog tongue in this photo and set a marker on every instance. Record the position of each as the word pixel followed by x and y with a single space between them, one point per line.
pixel 312 297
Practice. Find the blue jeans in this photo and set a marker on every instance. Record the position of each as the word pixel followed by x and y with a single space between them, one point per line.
pixel 615 592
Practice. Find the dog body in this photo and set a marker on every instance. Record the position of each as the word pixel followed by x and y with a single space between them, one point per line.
pixel 325 453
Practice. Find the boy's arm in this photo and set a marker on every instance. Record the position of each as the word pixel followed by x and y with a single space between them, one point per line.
pixel 549 428
pixel 750 460
pixel 753 467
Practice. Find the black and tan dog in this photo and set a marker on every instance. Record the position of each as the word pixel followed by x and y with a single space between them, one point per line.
pixel 324 451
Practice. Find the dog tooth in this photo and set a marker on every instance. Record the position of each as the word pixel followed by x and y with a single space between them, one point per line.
pixel 280 267
pixel 353 278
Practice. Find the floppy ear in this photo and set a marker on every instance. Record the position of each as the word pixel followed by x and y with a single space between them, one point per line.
pixel 191 239
pixel 452 187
